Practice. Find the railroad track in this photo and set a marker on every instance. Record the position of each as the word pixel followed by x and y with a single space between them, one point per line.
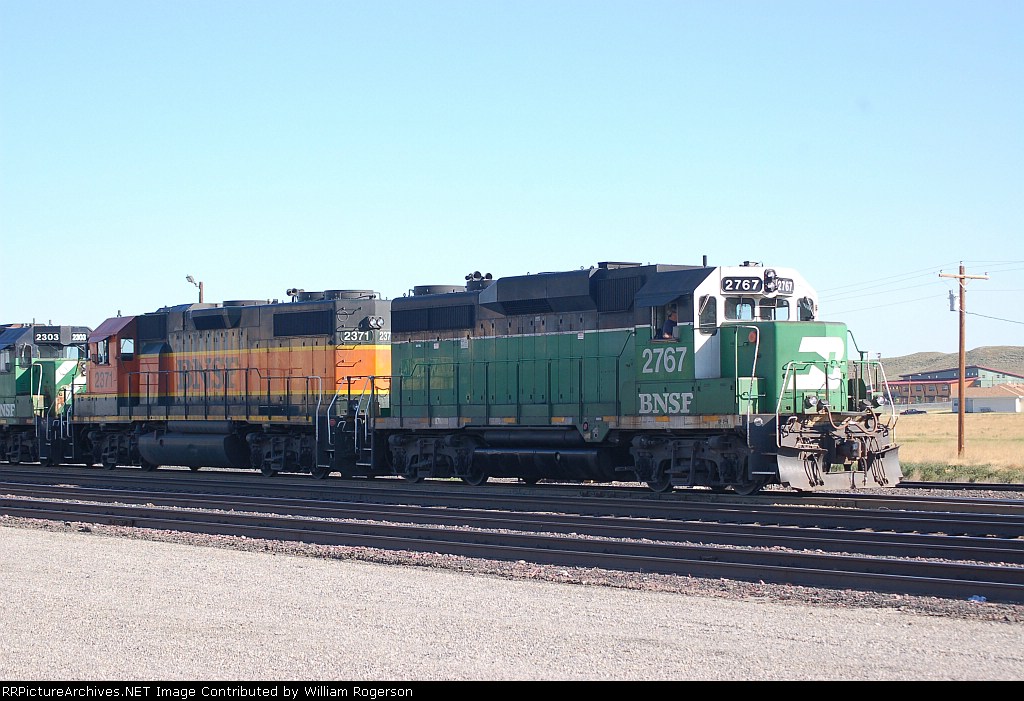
pixel 783 544
pixel 597 498
pixel 963 486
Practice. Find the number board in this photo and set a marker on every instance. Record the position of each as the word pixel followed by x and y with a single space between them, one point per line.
pixel 47 335
pixel 783 285
pixel 742 284
pixel 58 336
pixel 755 285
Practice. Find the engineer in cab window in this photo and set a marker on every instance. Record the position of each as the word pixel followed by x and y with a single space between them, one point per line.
pixel 668 330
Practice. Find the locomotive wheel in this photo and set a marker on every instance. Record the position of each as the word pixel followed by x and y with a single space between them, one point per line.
pixel 476 477
pixel 411 471
pixel 748 488
pixel 148 466
pixel 529 481
pixel 267 470
pixel 660 482
pixel 109 464
pixel 320 471
pixel 195 468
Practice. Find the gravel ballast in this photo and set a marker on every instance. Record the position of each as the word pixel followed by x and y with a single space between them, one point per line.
pixel 112 603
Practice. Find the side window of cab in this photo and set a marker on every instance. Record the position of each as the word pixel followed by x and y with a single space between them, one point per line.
pixel 708 319
pixel 806 306
pixel 103 352
pixel 665 321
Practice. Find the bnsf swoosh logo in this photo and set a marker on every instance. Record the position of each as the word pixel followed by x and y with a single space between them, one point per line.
pixel 829 348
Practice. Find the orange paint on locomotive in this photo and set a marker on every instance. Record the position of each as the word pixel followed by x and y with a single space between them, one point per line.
pixel 278 371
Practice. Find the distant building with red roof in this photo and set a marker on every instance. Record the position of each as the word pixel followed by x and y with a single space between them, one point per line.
pixel 940 386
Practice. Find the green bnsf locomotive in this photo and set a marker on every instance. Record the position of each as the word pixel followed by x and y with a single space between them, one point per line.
pixel 675 376
pixel 40 372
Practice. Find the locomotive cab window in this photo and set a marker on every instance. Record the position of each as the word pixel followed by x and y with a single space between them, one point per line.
pixel 103 352
pixel 740 308
pixel 5 360
pixel 774 309
pixel 665 320
pixel 127 348
pixel 806 307
pixel 708 315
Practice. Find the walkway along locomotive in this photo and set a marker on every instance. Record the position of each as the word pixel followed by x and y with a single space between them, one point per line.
pixel 570 376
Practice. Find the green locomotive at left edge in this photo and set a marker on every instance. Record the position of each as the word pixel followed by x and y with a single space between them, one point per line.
pixel 38 377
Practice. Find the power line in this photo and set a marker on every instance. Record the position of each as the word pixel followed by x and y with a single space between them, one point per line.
pixel 887 304
pixel 994 262
pixel 861 291
pixel 910 275
pixel 1011 321
pixel 898 278
pixel 1002 270
pixel 854 294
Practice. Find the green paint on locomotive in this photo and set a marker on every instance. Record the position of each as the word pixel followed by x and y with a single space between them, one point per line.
pixel 529 379
pixel 38 378
pixel 794 361
pixel 747 389
pixel 35 381
pixel 572 376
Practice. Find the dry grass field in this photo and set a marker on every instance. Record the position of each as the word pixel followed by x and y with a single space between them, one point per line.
pixel 993 447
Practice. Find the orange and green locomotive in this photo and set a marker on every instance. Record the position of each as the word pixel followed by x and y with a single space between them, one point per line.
pixel 718 377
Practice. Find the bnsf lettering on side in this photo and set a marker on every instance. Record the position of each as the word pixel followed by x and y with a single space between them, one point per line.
pixel 665 403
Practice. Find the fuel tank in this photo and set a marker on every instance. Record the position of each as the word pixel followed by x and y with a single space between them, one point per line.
pixel 194 449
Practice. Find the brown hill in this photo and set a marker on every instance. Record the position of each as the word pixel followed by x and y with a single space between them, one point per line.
pixel 1003 358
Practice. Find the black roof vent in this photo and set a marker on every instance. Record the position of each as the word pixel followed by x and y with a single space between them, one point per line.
pixel 349 294
pixel 541 293
pixel 436 289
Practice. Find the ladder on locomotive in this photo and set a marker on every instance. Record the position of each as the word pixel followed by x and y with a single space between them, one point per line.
pixel 55 439
pixel 356 420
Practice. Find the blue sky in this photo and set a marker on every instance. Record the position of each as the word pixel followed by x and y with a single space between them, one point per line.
pixel 380 145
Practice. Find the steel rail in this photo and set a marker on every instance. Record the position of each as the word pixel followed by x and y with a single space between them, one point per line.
pixel 459 493
pixel 911 577
pixel 708 532
pixel 981 521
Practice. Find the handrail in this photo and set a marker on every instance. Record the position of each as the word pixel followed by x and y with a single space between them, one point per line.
pixel 205 395
pixel 753 367
pixel 790 367
pixel 367 390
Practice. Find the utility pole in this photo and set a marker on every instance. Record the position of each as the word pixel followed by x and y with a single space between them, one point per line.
pixel 961 400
